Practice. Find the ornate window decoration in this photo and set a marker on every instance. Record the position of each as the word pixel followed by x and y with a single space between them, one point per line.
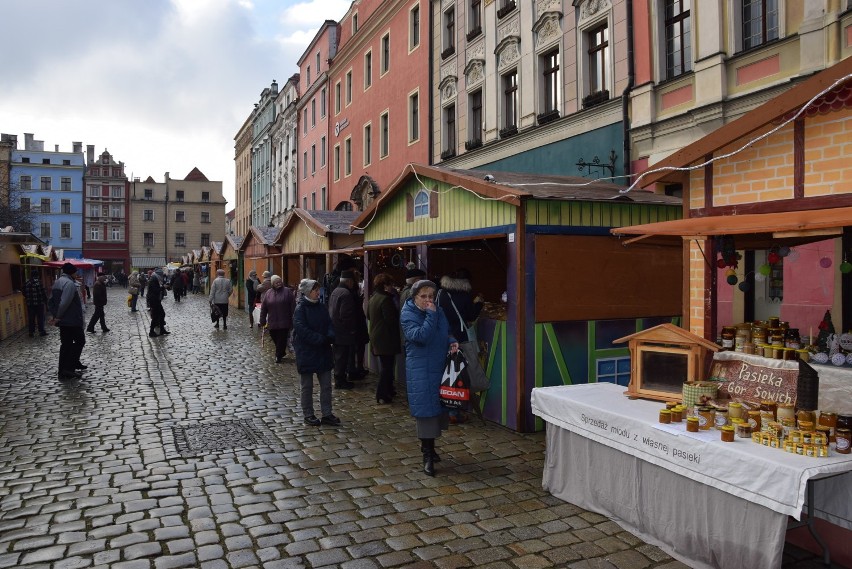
pixel 548 28
pixel 474 72
pixel 508 51
pixel 448 85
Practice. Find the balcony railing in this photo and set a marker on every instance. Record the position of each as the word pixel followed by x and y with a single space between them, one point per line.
pixel 448 153
pixel 508 131
pixel 547 117
pixel 475 32
pixel 473 144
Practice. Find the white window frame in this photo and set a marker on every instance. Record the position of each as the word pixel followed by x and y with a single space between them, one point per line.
pixel 347 95
pixel 414 35
pixel 323 103
pixel 421 204
pixel 384 137
pixel 347 156
pixel 65 231
pixel 322 153
pixel 385 54
pixel 448 37
pixel 414 122
pixel 146 216
pixel 367 143
pixel 368 69
pixel 94 233
pixel 336 163
pixel 583 43
pixel 338 98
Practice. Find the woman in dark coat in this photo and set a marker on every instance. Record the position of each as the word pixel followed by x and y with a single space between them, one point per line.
pixel 427 340
pixel 276 313
pixel 313 335
pixel 384 334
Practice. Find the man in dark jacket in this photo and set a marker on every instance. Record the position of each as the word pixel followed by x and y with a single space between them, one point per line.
pixel 99 298
pixel 66 309
pixel 342 309
pixel 156 291
pixel 312 338
pixel 36 299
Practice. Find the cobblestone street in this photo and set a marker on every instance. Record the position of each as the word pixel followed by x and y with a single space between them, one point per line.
pixel 189 450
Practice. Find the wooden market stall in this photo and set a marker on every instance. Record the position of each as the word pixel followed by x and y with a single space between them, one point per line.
pixel 558 288
pixel 14 263
pixel 257 251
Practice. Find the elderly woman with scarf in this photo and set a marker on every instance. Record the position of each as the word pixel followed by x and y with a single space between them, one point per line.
pixel 427 340
pixel 276 313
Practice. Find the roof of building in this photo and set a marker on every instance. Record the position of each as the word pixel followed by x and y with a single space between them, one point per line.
pixel 196 176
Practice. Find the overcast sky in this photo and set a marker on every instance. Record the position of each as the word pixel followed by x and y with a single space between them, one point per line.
pixel 164 85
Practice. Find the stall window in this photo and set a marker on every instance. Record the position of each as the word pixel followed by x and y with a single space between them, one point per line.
pixel 614 370
pixel 421 204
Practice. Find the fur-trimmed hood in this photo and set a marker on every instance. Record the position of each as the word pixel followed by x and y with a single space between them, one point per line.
pixel 454 284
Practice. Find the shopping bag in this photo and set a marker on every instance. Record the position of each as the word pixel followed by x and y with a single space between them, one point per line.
pixel 129 299
pixel 215 313
pixel 455 390
pixel 477 378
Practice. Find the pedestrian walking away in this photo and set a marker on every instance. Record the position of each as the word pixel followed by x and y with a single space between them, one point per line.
pixel 313 335
pixel 220 292
pixel 133 289
pixel 276 313
pixel 99 299
pixel 66 309
pixel 36 298
pixel 427 339
pixel 384 334
pixel 251 295
pixel 155 295
pixel 341 308
pixel 356 368
pixel 178 285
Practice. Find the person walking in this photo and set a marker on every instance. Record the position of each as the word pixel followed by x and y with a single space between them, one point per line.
pixel 178 284
pixel 99 298
pixel 276 313
pixel 220 292
pixel 427 339
pixel 66 309
pixel 36 298
pixel 133 289
pixel 356 368
pixel 313 335
pixel 251 295
pixel 264 286
pixel 154 297
pixel 384 334
pixel 196 282
pixel 341 308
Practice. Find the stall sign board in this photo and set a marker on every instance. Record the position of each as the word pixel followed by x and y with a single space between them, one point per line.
pixel 754 383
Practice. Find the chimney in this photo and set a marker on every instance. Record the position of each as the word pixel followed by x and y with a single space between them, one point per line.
pixel 28 141
pixel 167 176
pixel 90 154
pixel 77 147
pixel 56 148
pixel 11 139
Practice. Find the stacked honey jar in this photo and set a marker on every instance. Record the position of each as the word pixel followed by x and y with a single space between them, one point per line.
pixel 770 339
pixel 780 426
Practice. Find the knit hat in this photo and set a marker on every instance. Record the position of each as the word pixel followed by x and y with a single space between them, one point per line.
pixel 252 273
pixel 266 274
pixel 347 274
pixel 306 286
pixel 275 279
pixel 414 272
pixel 69 269
pixel 415 288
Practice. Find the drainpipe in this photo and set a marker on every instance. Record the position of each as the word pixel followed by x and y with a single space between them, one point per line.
pixel 625 95
pixel 430 135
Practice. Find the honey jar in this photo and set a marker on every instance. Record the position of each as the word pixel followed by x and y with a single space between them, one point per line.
pixel 765 438
pixel 671 405
pixel 743 430
pixel 736 411
pixel 819 439
pixel 822 451
pixel 806 426
pixel 789 446
pixel 754 420
pixel 843 441
pixel 727 434
pixel 844 422
pixel 774 442
pixel 810 450
pixel 665 416
pixel 728 337
pixel 769 406
pixel 800 449
pixel 796 436
pixel 755 436
pixel 825 432
pixel 692 424
pixel 829 420
pixel 677 414
pixel 705 418
pixel 806 415
pixel 720 418
pixel 807 437
pixel 775 429
pixel 785 411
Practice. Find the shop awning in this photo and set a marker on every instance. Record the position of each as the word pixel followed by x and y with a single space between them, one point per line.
pixel 753 231
pixel 148 262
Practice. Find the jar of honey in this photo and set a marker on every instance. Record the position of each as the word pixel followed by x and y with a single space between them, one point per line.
pixel 844 421
pixel 729 334
pixel 754 420
pixel 665 416
pixel 789 446
pixel 843 441
pixel 755 436
pixel 829 420
pixel 769 405
pixel 806 426
pixel 720 418
pixel 677 414
pixel 792 339
pixel 727 434
pixel 735 410
pixel 776 338
pixel 743 430
pixel 826 432
pixel 822 451
pixel 785 411
pixel 705 418
pixel 692 424
pixel 773 322
pixel 806 415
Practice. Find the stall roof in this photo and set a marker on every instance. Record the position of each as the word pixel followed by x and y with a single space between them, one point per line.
pixel 144 262
pixel 20 238
pixel 756 230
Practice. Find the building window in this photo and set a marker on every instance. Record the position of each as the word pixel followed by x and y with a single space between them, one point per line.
pixel 180 239
pixel 318 64
pixel 384 135
pixel 449 149
pixel 313 200
pixel 510 102
pixel 115 212
pixel 414 28
pixel 105 211
pixel 308 77
pixel 475 126
pixel 305 121
pixel 678 47
pixel 179 195
pixel 322 103
pixel 614 370
pixel 26 182
pixel 304 202
pixel 413 117
pixel 551 86
pixel 117 233
pixel 449 35
pixel 45 183
pixel 354 23
pixel 94 232
pixel 760 22
pixel 323 198
pixel 205 197
pixel 45 205
pixel 313 113
pixel 44 230
pixel 348 87
pixel 205 240
pixel 66 162
pixel 305 165
pixel 94 211
pixel 336 162
pixel 180 216
pixel 322 152
pixel 385 53
pixel 598 60
pixel 368 144
pixel 148 239
pixel 118 192
pixel 421 204
pixel 65 184
pixel 65 231
pixel 337 97
pixel 94 191
pixel 148 215
pixel 45 160
pixel 368 70
pixel 474 19
pixel 313 158
pixel 205 217
pixel 149 194
pixel 347 157
pixel 65 206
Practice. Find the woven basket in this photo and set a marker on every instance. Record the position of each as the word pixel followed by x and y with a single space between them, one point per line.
pixel 692 392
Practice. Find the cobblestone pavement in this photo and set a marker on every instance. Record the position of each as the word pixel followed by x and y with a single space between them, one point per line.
pixel 96 472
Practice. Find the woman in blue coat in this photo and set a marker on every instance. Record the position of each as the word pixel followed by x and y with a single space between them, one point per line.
pixel 313 335
pixel 427 340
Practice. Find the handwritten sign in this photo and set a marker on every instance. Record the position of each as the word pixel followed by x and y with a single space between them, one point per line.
pixel 753 382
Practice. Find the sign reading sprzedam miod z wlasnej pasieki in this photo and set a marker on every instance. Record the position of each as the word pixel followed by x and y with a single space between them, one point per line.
pixel 754 383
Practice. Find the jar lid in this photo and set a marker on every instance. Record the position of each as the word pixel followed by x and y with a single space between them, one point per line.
pixel 734 404
pixel 665 412
pixel 728 428
pixel 695 420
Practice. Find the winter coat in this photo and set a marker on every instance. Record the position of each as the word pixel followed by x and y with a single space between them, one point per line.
pixel 262 288
pixel 362 334
pixel 133 283
pixel 384 324
pixel 427 341
pixel 69 311
pixel 155 290
pixel 313 335
pixel 342 309
pixel 277 307
pixel 251 292
pixel 220 290
pixel 459 290
pixel 34 293
pixel 99 294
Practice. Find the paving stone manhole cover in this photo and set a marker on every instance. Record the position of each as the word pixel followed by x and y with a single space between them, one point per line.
pixel 217 436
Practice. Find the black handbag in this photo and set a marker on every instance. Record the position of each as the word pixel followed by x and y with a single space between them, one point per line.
pixel 215 313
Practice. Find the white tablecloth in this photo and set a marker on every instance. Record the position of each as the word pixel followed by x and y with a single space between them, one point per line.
pixel 651 492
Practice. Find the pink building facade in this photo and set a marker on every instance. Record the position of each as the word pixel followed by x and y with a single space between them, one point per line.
pixel 379 99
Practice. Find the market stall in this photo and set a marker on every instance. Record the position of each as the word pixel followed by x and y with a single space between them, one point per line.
pixel 14 260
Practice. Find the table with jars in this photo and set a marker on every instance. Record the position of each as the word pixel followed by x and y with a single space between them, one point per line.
pixel 706 492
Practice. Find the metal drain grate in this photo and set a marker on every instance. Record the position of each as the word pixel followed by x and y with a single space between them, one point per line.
pixel 217 436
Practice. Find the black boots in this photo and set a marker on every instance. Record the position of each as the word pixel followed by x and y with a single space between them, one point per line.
pixel 340 382
pixel 428 448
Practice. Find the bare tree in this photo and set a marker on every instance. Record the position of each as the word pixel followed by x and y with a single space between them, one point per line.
pixel 19 216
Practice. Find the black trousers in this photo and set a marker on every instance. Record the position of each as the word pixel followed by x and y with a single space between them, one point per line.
pixel 71 342
pixel 342 355
pixel 279 337
pixel 35 314
pixel 385 388
pixel 98 315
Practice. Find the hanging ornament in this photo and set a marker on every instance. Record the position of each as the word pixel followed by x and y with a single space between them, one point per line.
pixel 745 286
pixel 759 277
pixel 793 256
pixel 773 258
pixel 845 267
pixel 825 262
pixel 784 251
pixel 721 263
pixel 764 270
pixel 732 279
